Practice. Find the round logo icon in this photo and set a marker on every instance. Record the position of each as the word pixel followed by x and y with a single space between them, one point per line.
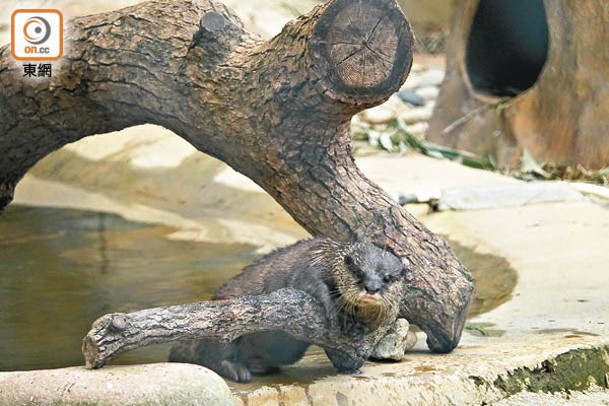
pixel 36 30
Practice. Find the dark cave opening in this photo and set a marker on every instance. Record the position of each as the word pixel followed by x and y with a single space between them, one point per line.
pixel 507 46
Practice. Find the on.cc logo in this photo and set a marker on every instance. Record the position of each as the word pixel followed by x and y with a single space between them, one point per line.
pixel 37 35
pixel 36 30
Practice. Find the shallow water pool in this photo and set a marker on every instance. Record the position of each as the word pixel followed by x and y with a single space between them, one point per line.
pixel 61 269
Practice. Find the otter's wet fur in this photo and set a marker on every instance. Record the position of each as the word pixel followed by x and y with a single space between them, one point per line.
pixel 357 284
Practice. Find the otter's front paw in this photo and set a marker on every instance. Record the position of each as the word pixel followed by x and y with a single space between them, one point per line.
pixel 349 372
pixel 235 371
pixel 344 363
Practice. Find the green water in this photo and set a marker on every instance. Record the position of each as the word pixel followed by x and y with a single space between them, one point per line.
pixel 62 269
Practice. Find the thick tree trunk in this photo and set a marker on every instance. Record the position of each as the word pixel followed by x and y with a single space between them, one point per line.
pixel 277 111
pixel 550 59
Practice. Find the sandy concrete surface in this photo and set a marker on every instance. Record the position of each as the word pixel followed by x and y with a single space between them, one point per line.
pixel 556 321
pixel 559 305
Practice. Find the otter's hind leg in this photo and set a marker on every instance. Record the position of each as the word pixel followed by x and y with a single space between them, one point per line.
pixel 265 352
pixel 220 357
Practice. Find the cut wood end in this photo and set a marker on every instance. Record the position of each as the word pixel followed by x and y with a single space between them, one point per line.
pixel 213 21
pixel 362 50
pixel 118 323
pixel 109 323
pixel 92 353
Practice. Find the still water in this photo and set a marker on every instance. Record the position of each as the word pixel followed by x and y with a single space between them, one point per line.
pixel 62 269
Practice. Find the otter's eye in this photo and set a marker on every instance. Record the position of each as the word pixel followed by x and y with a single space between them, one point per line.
pixel 349 261
pixel 387 278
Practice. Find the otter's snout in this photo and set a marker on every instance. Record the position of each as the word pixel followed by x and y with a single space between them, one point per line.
pixel 373 285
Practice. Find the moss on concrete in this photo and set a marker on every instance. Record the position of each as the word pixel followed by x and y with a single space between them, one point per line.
pixel 574 370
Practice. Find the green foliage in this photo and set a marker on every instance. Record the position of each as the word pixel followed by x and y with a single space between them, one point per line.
pixel 397 137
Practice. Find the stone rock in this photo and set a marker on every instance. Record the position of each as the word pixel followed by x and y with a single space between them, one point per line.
pixel 428 92
pixel 384 113
pixel 412 82
pixel 150 384
pixel 378 115
pixel 410 97
pixel 417 114
pixel 433 77
pixel 519 194
pixel 398 340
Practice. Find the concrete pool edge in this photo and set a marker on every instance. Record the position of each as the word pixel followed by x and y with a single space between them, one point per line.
pixel 480 382
pixel 485 383
pixel 559 304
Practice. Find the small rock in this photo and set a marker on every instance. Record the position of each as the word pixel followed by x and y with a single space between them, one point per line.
pixel 428 93
pixel 412 82
pixel 378 115
pixel 398 340
pixel 417 114
pixel 432 77
pixel 410 97
pixel 384 113
pixel 511 195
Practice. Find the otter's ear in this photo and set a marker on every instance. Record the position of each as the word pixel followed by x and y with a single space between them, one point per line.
pixel 349 260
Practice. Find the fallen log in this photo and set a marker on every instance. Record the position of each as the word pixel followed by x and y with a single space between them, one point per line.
pixel 290 310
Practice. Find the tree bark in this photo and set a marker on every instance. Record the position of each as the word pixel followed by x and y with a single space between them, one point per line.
pixel 290 310
pixel 562 117
pixel 277 111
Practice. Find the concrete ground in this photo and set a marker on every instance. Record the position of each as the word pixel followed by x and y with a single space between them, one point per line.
pixel 551 336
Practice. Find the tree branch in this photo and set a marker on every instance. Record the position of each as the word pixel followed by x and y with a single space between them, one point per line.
pixel 290 310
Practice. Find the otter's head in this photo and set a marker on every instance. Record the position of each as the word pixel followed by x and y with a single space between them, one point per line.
pixel 372 285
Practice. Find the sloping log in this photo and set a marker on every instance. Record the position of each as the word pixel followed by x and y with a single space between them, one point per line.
pixel 548 57
pixel 277 111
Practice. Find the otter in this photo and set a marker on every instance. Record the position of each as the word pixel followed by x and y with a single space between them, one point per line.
pixel 359 286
